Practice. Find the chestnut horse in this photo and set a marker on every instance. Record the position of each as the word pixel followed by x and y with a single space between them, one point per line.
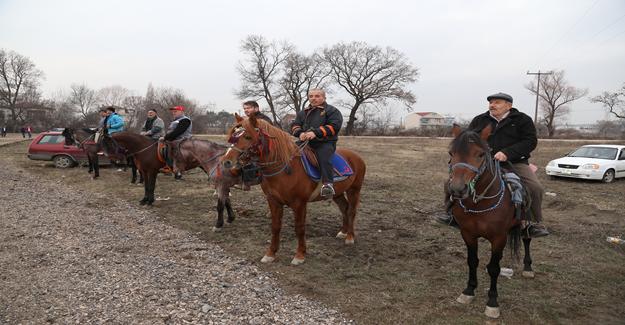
pixel 285 181
pixel 85 139
pixel 482 207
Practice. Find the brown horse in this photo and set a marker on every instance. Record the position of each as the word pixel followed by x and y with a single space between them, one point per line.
pixel 285 181
pixel 194 153
pixel 482 206
pixel 84 139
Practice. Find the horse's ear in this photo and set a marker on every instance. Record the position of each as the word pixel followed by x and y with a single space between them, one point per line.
pixel 456 130
pixel 486 132
pixel 238 118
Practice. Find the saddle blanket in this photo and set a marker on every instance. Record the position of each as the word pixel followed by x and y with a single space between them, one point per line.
pixel 342 169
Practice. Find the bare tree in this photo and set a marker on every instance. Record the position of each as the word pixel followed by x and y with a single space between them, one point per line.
pixel 113 95
pixel 300 74
pixel 370 74
pixel 612 101
pixel 555 93
pixel 259 73
pixel 83 98
pixel 135 108
pixel 18 76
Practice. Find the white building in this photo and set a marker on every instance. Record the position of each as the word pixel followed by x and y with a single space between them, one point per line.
pixel 419 120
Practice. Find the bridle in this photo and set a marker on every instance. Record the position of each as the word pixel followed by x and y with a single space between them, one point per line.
pixel 488 163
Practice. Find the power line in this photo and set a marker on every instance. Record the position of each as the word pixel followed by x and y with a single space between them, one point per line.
pixel 538 89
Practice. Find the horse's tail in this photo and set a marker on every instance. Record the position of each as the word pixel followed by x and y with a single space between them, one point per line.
pixel 514 242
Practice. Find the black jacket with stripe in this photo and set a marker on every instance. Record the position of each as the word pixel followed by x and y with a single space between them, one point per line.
pixel 325 121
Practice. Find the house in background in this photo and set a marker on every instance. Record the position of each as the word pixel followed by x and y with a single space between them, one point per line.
pixel 420 120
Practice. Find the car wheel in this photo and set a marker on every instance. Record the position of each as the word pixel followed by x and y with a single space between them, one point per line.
pixel 63 161
pixel 608 177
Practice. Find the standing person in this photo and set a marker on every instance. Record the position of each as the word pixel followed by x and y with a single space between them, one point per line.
pixel 179 129
pixel 23 130
pixel 319 124
pixel 154 126
pixel 251 108
pixel 512 140
pixel 4 131
pixel 29 130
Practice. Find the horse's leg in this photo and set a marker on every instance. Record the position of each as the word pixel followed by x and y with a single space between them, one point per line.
pixel 353 197
pixel 231 214
pixel 96 165
pixel 527 260
pixel 469 293
pixel 151 186
pixel 493 267
pixel 90 163
pixel 277 211
pixel 343 205
pixel 220 210
pixel 299 211
pixel 133 169
pixel 146 190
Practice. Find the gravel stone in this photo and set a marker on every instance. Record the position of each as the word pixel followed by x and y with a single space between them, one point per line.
pixel 68 256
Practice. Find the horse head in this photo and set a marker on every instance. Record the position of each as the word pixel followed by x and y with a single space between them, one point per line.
pixel 68 134
pixel 244 139
pixel 469 155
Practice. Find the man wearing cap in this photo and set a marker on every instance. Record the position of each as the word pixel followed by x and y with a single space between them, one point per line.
pixel 153 126
pixel 251 108
pixel 179 129
pixel 319 124
pixel 513 138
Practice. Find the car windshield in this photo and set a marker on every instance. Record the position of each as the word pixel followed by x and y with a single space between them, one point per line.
pixel 595 152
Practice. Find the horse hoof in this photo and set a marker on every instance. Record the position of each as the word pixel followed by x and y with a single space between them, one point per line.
pixel 528 274
pixel 228 223
pixel 465 299
pixel 267 259
pixel 349 241
pixel 341 235
pixel 143 202
pixel 297 261
pixel 217 229
pixel 492 312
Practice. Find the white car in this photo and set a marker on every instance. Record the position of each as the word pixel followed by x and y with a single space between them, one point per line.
pixel 603 162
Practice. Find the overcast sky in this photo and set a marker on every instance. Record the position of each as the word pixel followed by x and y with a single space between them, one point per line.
pixel 465 50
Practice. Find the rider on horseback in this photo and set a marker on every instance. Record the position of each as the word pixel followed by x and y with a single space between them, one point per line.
pixel 154 125
pixel 319 124
pixel 512 140
pixel 251 108
pixel 179 129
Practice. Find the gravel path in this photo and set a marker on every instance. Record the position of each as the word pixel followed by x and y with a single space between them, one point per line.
pixel 71 257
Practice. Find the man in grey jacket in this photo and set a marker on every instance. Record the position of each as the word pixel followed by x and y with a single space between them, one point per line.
pixel 154 126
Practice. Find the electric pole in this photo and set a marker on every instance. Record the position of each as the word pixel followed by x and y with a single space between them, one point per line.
pixel 538 90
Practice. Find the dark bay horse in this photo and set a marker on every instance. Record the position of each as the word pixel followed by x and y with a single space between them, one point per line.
pixel 194 153
pixel 285 181
pixel 85 139
pixel 482 206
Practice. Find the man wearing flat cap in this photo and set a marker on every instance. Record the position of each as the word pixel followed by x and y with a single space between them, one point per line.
pixel 512 140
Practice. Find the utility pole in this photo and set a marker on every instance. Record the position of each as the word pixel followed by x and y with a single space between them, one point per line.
pixel 538 90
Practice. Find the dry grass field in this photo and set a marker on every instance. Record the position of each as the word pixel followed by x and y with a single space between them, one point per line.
pixel 404 268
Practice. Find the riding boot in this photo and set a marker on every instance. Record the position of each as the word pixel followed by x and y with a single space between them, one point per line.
pixel 447 218
pixel 327 191
pixel 535 230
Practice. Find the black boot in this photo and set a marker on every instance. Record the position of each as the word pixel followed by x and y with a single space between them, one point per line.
pixel 447 219
pixel 535 230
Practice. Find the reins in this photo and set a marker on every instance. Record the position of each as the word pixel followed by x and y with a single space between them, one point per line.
pixel 495 168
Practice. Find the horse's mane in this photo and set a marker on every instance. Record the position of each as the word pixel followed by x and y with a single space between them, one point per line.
pixel 462 142
pixel 282 149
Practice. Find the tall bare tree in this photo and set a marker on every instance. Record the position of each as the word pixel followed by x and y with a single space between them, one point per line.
pixel 259 74
pixel 613 101
pixel 113 95
pixel 555 93
pixel 300 74
pixel 83 98
pixel 18 76
pixel 370 74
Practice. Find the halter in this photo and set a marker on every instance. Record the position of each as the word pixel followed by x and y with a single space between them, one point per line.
pixel 495 168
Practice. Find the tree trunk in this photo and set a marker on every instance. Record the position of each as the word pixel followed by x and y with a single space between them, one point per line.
pixel 349 129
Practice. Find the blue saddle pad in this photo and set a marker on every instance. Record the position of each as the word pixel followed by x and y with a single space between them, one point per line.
pixel 341 168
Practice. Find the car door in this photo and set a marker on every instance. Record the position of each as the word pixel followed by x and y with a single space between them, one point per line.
pixel 620 164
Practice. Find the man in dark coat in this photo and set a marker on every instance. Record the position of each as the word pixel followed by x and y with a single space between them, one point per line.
pixel 513 139
pixel 251 108
pixel 319 124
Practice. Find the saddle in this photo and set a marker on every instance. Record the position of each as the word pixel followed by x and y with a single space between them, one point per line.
pixel 342 169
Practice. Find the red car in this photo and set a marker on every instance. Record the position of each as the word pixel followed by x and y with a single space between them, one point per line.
pixel 50 145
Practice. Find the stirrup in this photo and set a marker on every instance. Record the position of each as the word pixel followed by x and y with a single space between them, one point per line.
pixel 327 191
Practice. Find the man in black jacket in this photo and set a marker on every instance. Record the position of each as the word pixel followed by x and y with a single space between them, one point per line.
pixel 513 139
pixel 251 108
pixel 319 124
